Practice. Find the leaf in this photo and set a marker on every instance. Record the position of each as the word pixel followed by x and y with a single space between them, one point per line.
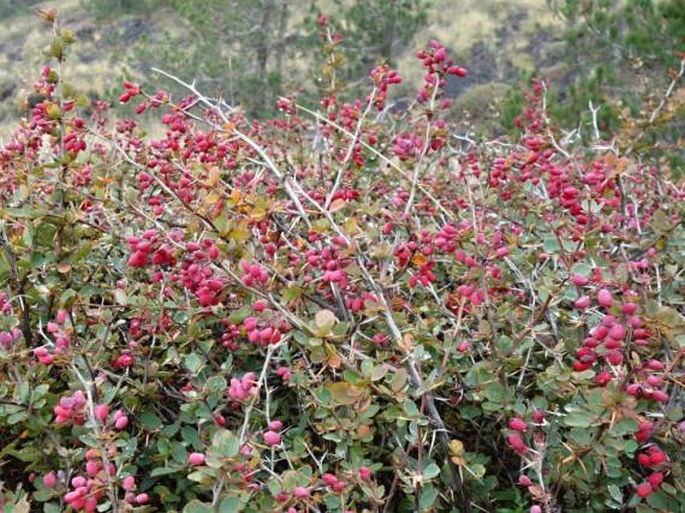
pixel 625 426
pixel 399 380
pixel 345 393
pixel 661 222
pixel 225 443
pixel 431 471
pixel 324 321
pixel 660 501
pixel 120 297
pixel 193 362
pixel 291 294
pixel 163 471
pixel 615 493
pixel 579 419
pixel 150 420
pixel 230 505
pixel 428 496
pixel 456 448
pixel 411 409
pixel 378 372
pixel 195 506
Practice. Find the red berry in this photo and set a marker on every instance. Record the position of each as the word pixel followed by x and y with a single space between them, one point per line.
pixel 656 479
pixel 644 490
pixel 518 424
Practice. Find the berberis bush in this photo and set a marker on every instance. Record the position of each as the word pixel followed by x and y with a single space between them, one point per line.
pixel 345 308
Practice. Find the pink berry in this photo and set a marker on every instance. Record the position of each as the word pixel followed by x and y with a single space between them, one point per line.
pixel 128 483
pixel 329 479
pixel 61 316
pixel 615 358
pixel 517 443
pixel 524 480
pixel 579 280
pixel 655 365
pixel 50 479
pixel 300 492
pixel 604 298
pixel 629 308
pixel 101 412
pixel 272 438
pixel 142 498
pixel 582 303
pixel 196 458
pixel 660 396
pixel 275 425
pixel 365 473
pixel 518 424
pixel 617 332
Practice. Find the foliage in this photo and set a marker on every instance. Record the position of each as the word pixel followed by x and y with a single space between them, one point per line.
pixel 377 31
pixel 622 55
pixel 338 309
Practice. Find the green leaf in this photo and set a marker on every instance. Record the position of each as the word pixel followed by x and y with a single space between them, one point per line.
pixel 163 471
pixel 579 418
pixel 230 505
pixel 193 362
pixel 225 443
pixel 659 500
pixel 428 496
pixel 195 506
pixel 149 420
pixel 624 427
pixel 615 493
pixel 551 244
pixel 51 507
pixel 431 471
pixel 378 372
pixel 411 409
pixel 291 294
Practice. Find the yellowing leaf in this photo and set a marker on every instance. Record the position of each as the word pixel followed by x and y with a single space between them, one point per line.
pixel 336 205
pixel 344 393
pixel 324 321
pixel 63 267
pixel 418 259
pixel 456 448
pixel 213 176
pixel 120 297
pixel 212 198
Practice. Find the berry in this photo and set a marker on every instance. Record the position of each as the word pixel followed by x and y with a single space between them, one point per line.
pixel 196 459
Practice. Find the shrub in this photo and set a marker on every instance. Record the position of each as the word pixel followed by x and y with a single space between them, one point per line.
pixel 333 310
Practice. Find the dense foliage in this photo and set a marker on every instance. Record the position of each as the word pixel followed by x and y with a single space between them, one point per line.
pixel 338 309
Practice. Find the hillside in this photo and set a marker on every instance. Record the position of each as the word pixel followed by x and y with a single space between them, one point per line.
pixel 497 39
